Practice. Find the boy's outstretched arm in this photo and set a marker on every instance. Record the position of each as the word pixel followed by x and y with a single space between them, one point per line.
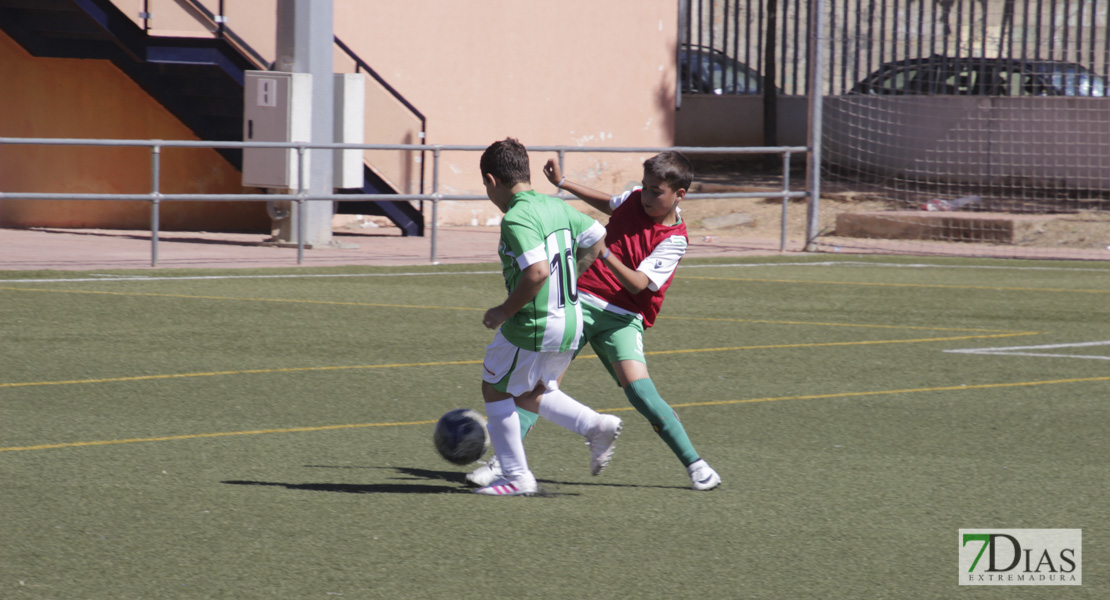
pixel 596 199
pixel 531 281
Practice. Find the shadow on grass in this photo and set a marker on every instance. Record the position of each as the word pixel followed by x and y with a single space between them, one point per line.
pixel 421 483
pixel 416 475
pixel 461 478
pixel 354 488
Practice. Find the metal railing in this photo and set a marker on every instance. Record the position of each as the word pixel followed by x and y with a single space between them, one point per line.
pixel 216 24
pixel 301 195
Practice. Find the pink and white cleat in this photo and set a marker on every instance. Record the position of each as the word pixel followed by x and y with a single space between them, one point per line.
pixel 504 487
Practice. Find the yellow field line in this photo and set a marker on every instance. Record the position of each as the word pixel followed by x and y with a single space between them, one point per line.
pixel 952 388
pixel 242 372
pixel 856 343
pixel 163 376
pixel 197 436
pixel 426 307
pixel 905 285
pixel 824 324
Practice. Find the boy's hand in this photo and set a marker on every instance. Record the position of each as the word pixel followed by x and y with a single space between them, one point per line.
pixel 526 290
pixel 494 317
pixel 596 199
pixel 552 172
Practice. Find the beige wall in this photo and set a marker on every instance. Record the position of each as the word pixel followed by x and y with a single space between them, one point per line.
pixel 577 72
pixel 68 98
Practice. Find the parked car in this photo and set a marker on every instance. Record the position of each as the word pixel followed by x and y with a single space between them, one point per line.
pixel 941 75
pixel 704 70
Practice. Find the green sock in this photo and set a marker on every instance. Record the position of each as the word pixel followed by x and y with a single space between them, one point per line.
pixel 643 395
pixel 527 421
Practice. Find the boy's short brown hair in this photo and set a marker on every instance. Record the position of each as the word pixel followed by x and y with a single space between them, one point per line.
pixel 672 167
pixel 507 161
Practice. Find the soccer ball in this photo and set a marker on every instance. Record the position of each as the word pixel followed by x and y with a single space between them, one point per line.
pixel 461 437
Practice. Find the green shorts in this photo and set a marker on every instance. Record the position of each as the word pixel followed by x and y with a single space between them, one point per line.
pixel 613 336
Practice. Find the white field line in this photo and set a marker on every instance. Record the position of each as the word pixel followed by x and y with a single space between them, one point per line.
pixel 1021 351
pixel 853 263
pixel 101 277
pixel 105 277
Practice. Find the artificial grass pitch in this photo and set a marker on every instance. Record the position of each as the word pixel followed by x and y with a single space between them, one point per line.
pixel 271 437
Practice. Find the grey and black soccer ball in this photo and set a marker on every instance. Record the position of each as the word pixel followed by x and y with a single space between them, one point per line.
pixel 460 436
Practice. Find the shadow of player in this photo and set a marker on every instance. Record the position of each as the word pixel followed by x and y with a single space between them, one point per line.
pixel 416 481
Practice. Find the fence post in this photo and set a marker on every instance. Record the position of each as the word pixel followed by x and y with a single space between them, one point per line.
pixel 155 201
pixel 300 204
pixel 785 198
pixel 435 202
pixel 562 168
pixel 813 173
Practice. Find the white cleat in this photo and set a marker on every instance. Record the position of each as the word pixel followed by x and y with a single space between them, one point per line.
pixel 485 474
pixel 702 476
pixel 504 487
pixel 602 441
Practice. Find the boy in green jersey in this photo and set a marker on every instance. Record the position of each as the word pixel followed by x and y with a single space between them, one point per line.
pixel 544 245
pixel 622 294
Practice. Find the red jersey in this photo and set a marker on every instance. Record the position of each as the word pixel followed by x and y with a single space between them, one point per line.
pixel 632 236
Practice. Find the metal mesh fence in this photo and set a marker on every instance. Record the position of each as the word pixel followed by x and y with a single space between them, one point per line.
pixel 955 126
pixel 970 123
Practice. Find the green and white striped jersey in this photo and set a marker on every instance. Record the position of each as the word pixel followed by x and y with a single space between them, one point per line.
pixel 541 228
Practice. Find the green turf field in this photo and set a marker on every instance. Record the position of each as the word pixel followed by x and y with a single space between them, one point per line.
pixel 267 434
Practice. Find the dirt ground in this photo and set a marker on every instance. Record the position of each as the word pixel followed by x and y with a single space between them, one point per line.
pixel 761 218
pixel 1082 229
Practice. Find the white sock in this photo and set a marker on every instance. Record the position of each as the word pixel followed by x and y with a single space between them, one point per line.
pixel 504 434
pixel 566 412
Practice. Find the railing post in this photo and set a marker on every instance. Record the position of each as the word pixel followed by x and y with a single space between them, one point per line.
pixel 435 202
pixel 785 198
pixel 155 200
pixel 300 204
pixel 145 14
pixel 816 85
pixel 562 161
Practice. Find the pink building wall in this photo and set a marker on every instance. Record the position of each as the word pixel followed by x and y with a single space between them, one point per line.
pixel 575 73
pixel 70 98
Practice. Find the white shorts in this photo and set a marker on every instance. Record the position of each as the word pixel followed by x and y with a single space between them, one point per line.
pixel 516 372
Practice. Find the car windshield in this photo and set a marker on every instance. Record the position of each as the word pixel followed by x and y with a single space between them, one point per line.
pixel 711 72
pixel 727 77
pixel 1072 83
pixel 983 76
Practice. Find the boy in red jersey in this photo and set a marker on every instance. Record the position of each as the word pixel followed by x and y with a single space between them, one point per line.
pixel 621 293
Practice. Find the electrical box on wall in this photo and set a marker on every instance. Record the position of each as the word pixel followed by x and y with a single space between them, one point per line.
pixel 277 107
pixel 350 111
